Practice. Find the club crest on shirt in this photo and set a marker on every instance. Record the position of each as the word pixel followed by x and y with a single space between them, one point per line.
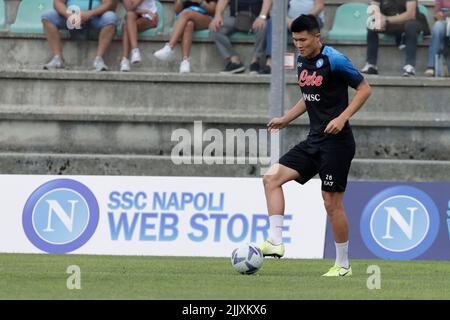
pixel 319 63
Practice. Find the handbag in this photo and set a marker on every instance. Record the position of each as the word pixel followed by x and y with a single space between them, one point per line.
pixel 243 19
pixel 423 23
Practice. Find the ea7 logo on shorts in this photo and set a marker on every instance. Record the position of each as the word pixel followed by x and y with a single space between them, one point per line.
pixel 60 216
pixel 311 97
pixel 328 181
pixel 399 223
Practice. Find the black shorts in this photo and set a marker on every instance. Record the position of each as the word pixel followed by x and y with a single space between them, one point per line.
pixel 331 159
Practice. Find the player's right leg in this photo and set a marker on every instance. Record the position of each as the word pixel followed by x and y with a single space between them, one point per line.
pixel 273 180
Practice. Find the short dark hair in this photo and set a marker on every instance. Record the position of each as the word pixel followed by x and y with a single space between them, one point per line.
pixel 305 22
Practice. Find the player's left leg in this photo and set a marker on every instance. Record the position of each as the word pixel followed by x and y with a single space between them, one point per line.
pixel 336 158
pixel 333 202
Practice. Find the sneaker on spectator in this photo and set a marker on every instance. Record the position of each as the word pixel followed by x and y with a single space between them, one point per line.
pixel 265 69
pixel 429 72
pixel 232 67
pixel 165 54
pixel 135 56
pixel 100 65
pixel 185 66
pixel 254 68
pixel 369 69
pixel 409 71
pixel 55 63
pixel 125 65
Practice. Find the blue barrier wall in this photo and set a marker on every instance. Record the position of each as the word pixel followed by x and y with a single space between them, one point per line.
pixel 398 221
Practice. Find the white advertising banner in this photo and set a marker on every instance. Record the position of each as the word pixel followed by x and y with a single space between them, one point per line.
pixel 173 216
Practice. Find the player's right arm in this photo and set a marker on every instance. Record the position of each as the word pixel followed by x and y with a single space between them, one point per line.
pixel 281 122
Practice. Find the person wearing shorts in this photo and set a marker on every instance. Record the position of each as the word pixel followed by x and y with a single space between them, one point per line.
pixel 82 18
pixel 191 15
pixel 141 15
pixel 324 75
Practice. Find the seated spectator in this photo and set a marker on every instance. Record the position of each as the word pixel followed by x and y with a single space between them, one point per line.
pixel 396 17
pixel 101 16
pixel 222 28
pixel 438 33
pixel 295 9
pixel 191 15
pixel 141 15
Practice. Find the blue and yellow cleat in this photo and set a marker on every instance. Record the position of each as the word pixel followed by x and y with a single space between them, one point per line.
pixel 270 250
pixel 338 271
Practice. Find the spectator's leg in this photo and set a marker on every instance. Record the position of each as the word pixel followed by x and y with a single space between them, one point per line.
pixel 107 22
pixel 260 44
pixel 187 40
pixel 372 47
pixel 222 40
pixel 201 21
pixel 105 38
pixel 179 27
pixel 269 42
pixel 131 21
pixel 142 24
pixel 52 21
pixel 53 38
pixel 125 41
pixel 411 32
pixel 437 38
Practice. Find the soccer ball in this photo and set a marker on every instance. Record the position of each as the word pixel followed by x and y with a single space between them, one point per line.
pixel 247 259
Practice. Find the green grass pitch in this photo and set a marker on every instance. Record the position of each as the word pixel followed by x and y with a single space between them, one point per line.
pixel 29 276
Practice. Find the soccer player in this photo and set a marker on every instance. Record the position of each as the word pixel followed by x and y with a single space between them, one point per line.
pixel 324 75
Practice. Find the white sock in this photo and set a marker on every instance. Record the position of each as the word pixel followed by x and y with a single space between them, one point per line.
pixel 276 225
pixel 342 254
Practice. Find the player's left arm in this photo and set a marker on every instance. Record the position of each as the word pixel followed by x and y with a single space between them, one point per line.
pixel 363 92
pixel 346 72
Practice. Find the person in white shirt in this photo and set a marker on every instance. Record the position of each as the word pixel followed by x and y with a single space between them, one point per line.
pixel 141 15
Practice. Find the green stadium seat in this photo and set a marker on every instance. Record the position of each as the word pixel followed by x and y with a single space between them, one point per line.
pixel 28 18
pixel 420 37
pixel 350 22
pixel 243 36
pixel 151 32
pixel 204 34
pixel 199 34
pixel 2 14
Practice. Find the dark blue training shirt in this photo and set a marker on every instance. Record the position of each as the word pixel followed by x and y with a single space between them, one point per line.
pixel 324 82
